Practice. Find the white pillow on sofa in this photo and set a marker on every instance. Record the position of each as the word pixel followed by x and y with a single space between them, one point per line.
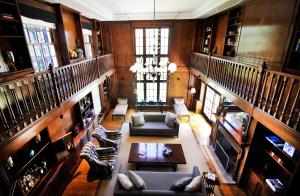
pixel 122 101
pixel 136 180
pixel 125 182
pixel 194 185
pixel 170 119
pixel 138 119
pixel 179 100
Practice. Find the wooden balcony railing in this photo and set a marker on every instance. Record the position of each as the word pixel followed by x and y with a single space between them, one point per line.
pixel 25 100
pixel 242 79
pixel 279 97
pixel 275 93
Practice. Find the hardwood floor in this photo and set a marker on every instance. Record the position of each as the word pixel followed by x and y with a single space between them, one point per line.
pixel 80 186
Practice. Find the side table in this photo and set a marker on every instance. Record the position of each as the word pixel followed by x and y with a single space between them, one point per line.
pixel 209 184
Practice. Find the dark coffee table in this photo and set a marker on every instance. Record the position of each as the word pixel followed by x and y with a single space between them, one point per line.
pixel 151 154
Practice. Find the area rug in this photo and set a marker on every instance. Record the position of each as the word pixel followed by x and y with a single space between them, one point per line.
pixel 194 155
pixel 224 177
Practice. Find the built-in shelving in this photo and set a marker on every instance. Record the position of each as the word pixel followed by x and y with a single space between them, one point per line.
pixel 207 39
pixel 278 160
pixel 233 31
pixel 30 164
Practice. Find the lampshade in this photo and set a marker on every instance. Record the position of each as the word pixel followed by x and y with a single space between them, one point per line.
pixel 193 90
pixel 172 67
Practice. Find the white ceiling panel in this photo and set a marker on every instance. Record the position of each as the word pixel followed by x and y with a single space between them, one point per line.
pixel 143 9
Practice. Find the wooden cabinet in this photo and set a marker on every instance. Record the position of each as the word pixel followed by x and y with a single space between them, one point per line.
pixel 234 26
pixel 26 171
pixel 12 58
pixel 277 160
pixel 255 187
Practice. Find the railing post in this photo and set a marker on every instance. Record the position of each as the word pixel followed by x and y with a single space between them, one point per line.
pixel 98 68
pixel 208 65
pixel 260 78
pixel 54 85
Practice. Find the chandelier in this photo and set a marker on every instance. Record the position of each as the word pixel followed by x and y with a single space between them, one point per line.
pixel 155 66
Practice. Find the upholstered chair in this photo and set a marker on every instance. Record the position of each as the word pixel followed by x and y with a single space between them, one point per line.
pixel 107 138
pixel 102 161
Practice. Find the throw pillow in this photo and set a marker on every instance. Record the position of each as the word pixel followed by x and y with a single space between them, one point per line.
pixel 194 185
pixel 170 119
pixel 125 182
pixel 122 101
pixel 180 184
pixel 137 181
pixel 138 119
pixel 179 100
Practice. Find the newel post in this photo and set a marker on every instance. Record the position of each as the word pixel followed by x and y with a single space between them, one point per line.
pixel 261 70
pixel 55 86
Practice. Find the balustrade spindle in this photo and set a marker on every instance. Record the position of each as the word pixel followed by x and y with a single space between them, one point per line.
pixel 66 83
pixel 274 94
pixel 19 84
pixel 76 77
pixel 3 119
pixel 268 92
pixel 287 99
pixel 223 79
pixel 71 79
pixel 52 90
pixel 293 106
pixel 62 85
pixel 282 88
pixel 17 104
pixel 37 96
pixel 40 90
pixel 48 95
pixel 255 86
pixel 10 110
pixel 231 74
pixel 246 83
pixel 31 99
pixel 265 79
pixel 241 83
pixel 59 88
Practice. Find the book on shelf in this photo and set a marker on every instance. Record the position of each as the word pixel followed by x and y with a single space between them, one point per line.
pixel 275 184
pixel 276 141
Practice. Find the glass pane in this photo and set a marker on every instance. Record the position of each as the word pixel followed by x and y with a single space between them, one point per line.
pixel 52 50
pixel 163 92
pixel 140 92
pixel 40 62
pixel 40 35
pixel 32 34
pixel 38 50
pixel 49 38
pixel 31 51
pixel 48 61
pixel 54 60
pixel 46 51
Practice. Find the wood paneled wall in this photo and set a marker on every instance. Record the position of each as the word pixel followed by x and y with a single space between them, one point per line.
pixel 265 30
pixel 70 28
pixel 181 44
pixel 220 32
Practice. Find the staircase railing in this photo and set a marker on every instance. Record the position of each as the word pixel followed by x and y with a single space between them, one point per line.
pixel 275 93
pixel 25 100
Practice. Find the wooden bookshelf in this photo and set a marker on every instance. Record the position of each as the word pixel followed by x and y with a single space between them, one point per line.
pixel 234 24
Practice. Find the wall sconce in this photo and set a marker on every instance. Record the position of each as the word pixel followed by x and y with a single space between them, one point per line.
pixel 193 90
